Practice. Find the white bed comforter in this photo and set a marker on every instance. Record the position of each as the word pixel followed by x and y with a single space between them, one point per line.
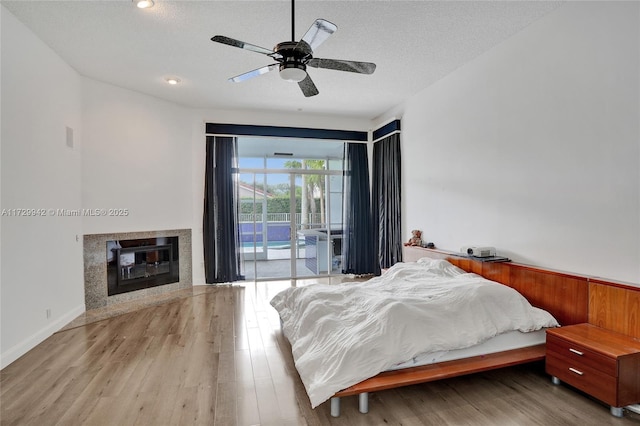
pixel 344 333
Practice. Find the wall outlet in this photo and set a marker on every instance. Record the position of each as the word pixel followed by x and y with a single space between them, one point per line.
pixel 48 313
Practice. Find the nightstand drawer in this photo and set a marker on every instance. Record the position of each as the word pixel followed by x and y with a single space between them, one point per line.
pixel 583 377
pixel 580 355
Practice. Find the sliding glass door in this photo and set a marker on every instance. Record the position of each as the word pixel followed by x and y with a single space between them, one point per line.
pixel 290 208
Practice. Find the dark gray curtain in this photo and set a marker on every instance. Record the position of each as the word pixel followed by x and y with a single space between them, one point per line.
pixel 358 242
pixel 386 199
pixel 222 255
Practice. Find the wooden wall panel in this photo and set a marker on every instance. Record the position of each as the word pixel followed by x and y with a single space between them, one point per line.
pixel 571 298
pixel 615 307
pixel 466 264
pixel 565 296
pixel 498 271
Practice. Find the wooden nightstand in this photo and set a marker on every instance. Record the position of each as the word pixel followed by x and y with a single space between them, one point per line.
pixel 602 363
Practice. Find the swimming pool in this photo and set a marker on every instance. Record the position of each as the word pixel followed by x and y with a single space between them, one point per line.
pixel 270 244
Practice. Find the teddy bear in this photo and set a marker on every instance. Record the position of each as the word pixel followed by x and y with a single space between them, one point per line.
pixel 416 238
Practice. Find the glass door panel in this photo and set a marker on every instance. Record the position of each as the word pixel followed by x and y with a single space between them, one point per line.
pixel 250 221
pixel 277 227
pixel 319 232
pixel 265 225
pixel 334 218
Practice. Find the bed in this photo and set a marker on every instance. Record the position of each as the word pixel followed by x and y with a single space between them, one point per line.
pixel 419 321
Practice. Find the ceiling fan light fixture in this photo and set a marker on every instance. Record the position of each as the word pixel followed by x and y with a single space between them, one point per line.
pixel 143 4
pixel 293 72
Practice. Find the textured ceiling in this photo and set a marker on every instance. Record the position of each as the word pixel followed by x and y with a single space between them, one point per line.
pixel 413 43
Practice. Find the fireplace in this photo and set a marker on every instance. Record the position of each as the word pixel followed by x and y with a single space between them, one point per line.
pixel 141 263
pixel 99 257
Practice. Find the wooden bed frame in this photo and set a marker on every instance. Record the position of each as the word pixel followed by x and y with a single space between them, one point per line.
pixel 570 298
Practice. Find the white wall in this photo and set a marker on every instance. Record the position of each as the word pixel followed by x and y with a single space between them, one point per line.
pixel 534 147
pixel 41 259
pixel 136 155
pixel 131 151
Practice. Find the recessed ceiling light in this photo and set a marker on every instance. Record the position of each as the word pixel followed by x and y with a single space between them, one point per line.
pixel 143 4
pixel 172 80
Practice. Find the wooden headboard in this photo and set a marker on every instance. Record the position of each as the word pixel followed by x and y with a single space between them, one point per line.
pixel 615 306
pixel 570 298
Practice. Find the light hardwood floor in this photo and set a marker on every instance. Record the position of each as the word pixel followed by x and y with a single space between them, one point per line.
pixel 216 356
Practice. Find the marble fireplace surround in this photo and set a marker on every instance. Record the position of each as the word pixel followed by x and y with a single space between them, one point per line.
pixel 95 267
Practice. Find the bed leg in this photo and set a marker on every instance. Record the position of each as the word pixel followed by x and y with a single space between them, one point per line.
pixel 363 402
pixel 335 406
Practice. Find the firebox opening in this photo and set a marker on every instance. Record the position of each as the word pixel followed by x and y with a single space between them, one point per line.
pixel 142 263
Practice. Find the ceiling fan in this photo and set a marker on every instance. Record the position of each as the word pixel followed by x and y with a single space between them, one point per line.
pixel 293 57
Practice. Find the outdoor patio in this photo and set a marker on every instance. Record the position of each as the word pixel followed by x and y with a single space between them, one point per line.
pixel 278 265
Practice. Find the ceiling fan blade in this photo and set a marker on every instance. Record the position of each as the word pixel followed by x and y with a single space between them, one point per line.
pixel 342 65
pixel 254 73
pixel 308 88
pixel 241 44
pixel 319 31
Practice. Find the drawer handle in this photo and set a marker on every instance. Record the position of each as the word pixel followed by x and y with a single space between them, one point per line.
pixel 575 351
pixel 578 372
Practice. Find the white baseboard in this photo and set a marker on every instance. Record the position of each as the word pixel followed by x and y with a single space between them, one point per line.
pixel 32 341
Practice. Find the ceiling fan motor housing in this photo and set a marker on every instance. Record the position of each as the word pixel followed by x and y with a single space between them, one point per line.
pixel 293 57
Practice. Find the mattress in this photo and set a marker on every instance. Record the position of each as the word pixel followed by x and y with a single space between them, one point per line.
pixel 345 333
pixel 502 342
